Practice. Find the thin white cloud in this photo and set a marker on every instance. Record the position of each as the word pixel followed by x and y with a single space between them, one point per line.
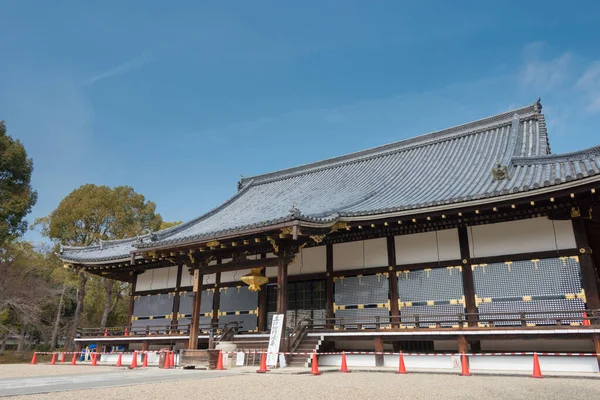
pixel 134 63
pixel 544 75
pixel 589 83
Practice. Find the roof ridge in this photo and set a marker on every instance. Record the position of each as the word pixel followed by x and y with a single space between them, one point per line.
pixel 107 243
pixel 468 128
pixel 562 157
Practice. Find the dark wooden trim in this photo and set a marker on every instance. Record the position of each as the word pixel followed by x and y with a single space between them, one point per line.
pixel 525 256
pixel 586 264
pixel 378 342
pixel 393 281
pixel 156 291
pixel 175 318
pixel 262 301
pixel 467 274
pixel 302 278
pixel 329 289
pixel 216 299
pixel 131 301
pixel 282 270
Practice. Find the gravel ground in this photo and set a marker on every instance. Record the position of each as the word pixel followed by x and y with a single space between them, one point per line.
pixel 26 370
pixel 356 385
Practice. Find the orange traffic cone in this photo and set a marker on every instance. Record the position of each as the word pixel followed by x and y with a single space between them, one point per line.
pixel 465 365
pixel 34 359
pixel 344 363
pixel 263 364
pixel 586 321
pixel 134 361
pixel 315 365
pixel 537 372
pixel 53 361
pixel 167 363
pixel 145 361
pixel 401 366
pixel 62 357
pixel 172 360
pixel 94 359
pixel 126 331
pixel 74 359
pixel 220 361
pixel 119 360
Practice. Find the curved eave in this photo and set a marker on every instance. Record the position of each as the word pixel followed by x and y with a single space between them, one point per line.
pixel 489 200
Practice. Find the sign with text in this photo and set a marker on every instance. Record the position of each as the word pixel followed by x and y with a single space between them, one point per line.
pixel 275 339
pixel 196 280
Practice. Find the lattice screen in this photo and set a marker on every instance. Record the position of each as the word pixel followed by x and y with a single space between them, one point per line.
pixel 552 284
pixel 360 300
pixel 186 304
pixel 237 303
pixel 156 305
pixel 430 293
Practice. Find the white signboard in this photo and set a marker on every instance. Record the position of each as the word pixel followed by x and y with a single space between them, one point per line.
pixel 239 361
pixel 274 340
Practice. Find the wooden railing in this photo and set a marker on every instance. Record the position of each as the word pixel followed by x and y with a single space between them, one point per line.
pixel 464 320
pixel 170 329
pixel 299 332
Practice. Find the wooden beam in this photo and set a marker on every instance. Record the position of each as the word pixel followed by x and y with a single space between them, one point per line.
pixel 131 302
pixel 329 282
pixel 586 264
pixel 393 282
pixel 467 275
pixel 175 318
pixel 463 345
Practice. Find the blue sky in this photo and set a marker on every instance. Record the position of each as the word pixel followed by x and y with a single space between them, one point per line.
pixel 180 99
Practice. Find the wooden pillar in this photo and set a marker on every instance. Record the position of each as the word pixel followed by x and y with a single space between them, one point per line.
pixel 586 264
pixel 145 345
pixel 393 282
pixel 463 345
pixel 329 285
pixel 175 319
pixel 216 300
pixel 131 301
pixel 467 275
pixel 378 340
pixel 282 276
pixel 262 301
pixel 194 326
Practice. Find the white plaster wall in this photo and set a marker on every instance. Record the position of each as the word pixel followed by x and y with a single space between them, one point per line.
pixel 187 279
pixel 233 276
pixel 351 255
pixel 525 363
pixel 523 236
pixel 159 278
pixel 310 260
pixel 424 247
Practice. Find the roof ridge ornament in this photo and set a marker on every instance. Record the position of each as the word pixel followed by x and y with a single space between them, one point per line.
pixel 240 186
pixel 294 211
pixel 499 172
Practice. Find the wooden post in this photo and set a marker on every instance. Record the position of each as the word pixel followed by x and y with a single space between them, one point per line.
pixel 145 345
pixel 378 340
pixel 586 264
pixel 329 285
pixel 467 276
pixel 262 302
pixel 194 326
pixel 282 275
pixel 393 282
pixel 131 301
pixel 216 300
pixel 463 345
pixel 175 319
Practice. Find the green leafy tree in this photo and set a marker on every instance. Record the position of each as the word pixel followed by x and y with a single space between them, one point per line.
pixel 167 224
pixel 92 213
pixel 16 195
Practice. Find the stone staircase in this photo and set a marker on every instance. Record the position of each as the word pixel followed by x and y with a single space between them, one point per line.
pixel 309 344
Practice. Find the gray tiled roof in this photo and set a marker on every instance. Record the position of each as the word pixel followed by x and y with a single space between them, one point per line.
pixel 440 168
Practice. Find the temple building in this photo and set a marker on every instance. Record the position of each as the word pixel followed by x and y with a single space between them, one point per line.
pixel 474 238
